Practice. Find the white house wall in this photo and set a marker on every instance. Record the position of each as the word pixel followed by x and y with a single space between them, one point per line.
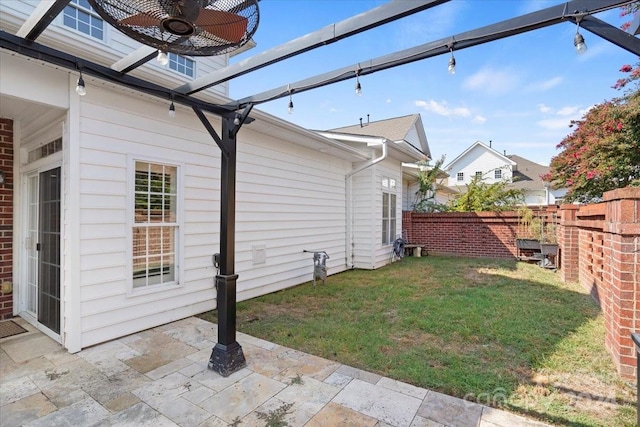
pixel 364 218
pixel 478 160
pixel 289 199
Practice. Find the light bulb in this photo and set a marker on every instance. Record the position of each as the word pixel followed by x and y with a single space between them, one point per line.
pixel 452 65
pixel 358 88
pixel 162 58
pixel 578 42
pixel 80 89
pixel 172 110
pixel 236 121
pixel 290 106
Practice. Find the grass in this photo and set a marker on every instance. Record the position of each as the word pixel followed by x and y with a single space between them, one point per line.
pixel 500 333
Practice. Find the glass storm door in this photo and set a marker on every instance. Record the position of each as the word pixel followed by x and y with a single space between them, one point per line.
pixel 43 248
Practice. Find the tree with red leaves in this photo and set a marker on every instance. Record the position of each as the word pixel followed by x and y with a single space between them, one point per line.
pixel 602 153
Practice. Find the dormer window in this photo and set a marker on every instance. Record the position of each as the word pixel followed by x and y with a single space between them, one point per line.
pixel 81 17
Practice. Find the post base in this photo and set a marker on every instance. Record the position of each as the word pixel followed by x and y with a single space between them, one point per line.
pixel 227 359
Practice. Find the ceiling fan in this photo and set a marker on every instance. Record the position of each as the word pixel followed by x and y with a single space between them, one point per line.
pixel 186 27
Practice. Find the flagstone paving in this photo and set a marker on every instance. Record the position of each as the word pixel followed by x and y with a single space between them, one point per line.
pixel 159 377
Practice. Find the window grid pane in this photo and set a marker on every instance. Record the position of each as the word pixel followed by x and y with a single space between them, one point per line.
pixel 155 230
pixel 80 16
pixel 181 64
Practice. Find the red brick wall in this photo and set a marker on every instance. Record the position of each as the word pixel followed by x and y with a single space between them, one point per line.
pixel 6 216
pixel 608 254
pixel 470 234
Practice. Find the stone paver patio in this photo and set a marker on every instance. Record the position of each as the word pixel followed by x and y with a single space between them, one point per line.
pixel 159 377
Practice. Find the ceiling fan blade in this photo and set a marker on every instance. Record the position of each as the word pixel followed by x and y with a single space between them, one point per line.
pixel 140 20
pixel 149 13
pixel 224 25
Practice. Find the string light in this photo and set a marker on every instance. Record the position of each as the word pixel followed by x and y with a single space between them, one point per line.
pixel 578 40
pixel 452 63
pixel 172 110
pixel 162 58
pixel 80 88
pixel 290 100
pixel 358 86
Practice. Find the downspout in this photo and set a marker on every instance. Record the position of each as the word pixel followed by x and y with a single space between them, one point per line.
pixel 349 252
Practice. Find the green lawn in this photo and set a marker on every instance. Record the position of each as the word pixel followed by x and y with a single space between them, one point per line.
pixel 501 333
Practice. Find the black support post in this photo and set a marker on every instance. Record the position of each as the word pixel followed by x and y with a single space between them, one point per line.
pixel 227 356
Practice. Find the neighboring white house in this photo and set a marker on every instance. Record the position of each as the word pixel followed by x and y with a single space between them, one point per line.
pixel 116 204
pixel 482 161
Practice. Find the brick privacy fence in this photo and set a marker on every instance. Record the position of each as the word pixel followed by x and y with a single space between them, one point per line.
pixel 6 217
pixel 599 247
pixel 601 250
pixel 472 234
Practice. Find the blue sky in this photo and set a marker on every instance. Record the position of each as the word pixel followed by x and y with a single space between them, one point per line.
pixel 520 92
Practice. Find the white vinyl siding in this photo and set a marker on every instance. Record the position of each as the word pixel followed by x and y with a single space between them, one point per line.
pixel 289 199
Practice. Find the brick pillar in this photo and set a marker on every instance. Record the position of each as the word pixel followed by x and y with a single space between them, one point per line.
pixel 407 224
pixel 6 219
pixel 623 225
pixel 568 243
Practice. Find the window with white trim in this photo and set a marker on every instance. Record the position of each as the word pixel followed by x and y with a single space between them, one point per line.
pixel 388 211
pixel 478 175
pixel 497 174
pixel 79 15
pixel 460 176
pixel 155 225
pixel 182 64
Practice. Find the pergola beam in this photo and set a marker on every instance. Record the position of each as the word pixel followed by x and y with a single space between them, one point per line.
pixel 612 34
pixel 70 62
pixel 42 16
pixel 332 33
pixel 135 59
pixel 567 12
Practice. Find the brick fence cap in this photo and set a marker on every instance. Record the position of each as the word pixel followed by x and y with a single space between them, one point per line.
pixel 569 207
pixel 622 193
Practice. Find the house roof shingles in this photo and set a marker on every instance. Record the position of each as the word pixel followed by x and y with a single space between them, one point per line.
pixel 526 175
pixel 394 129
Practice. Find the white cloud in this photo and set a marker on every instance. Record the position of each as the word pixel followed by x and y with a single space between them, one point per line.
pixel 568 111
pixel 388 101
pixel 442 109
pixel 545 84
pixel 479 119
pixel 493 82
pixel 544 108
pixel 555 124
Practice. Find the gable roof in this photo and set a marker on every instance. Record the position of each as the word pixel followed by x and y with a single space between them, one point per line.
pixel 526 174
pixel 486 147
pixel 395 129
